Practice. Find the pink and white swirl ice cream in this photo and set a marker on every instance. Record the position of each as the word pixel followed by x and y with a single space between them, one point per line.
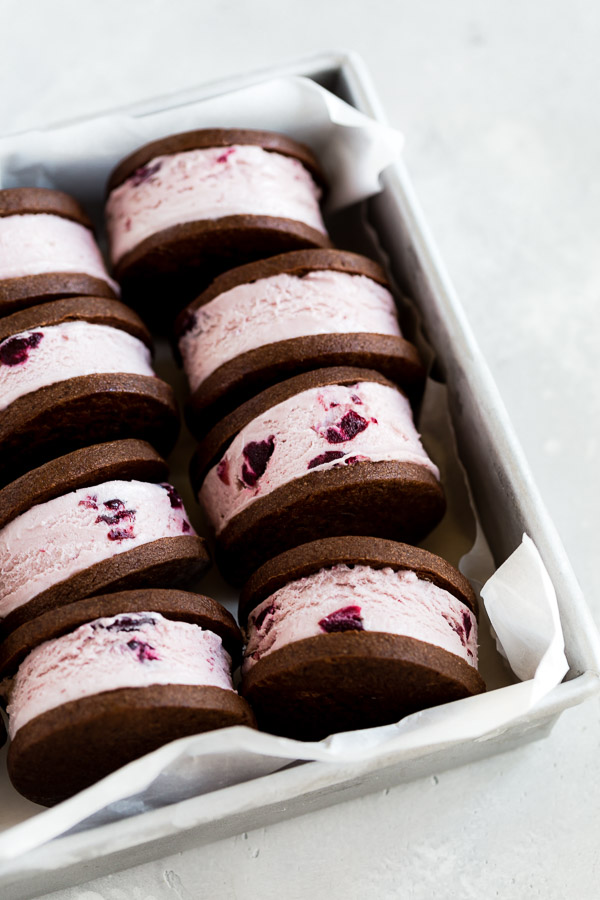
pixel 130 650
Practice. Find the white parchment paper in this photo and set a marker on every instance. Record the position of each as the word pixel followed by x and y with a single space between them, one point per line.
pixel 519 597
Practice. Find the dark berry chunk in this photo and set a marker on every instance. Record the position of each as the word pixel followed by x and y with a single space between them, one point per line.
pixel 354 460
pixel 144 173
pixel 176 501
pixel 259 620
pixel 15 350
pixel 356 399
pixel 116 517
pixel 114 504
pixel 129 623
pixel 257 454
pixel 466 624
pixel 347 428
pixel 144 651
pixel 90 502
pixel 223 471
pixel 185 526
pixel 326 457
pixel 346 619
pixel 121 534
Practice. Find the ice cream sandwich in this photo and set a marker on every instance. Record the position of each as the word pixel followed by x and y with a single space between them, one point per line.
pixel 266 321
pixel 99 519
pixel 96 684
pixel 194 204
pixel 73 372
pixel 354 632
pixel 47 250
pixel 330 452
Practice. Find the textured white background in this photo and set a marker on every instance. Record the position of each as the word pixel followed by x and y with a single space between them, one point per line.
pixel 499 103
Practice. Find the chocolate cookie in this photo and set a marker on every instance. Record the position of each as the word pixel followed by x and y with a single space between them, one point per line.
pixel 106 680
pixel 95 520
pixel 325 453
pixel 354 632
pixel 269 320
pixel 186 207
pixel 73 372
pixel 49 250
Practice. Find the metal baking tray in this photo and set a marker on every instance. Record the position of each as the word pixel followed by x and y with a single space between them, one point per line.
pixel 508 505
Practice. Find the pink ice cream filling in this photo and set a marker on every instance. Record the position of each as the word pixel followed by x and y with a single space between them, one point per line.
pixel 361 598
pixel 317 429
pixel 34 359
pixel 42 243
pixel 54 540
pixel 209 184
pixel 131 650
pixel 282 307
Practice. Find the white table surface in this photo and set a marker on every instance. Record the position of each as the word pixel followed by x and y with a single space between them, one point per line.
pixel 499 103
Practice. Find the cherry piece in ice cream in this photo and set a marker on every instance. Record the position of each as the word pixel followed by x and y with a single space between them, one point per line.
pixel 326 457
pixel 144 173
pixel 121 534
pixel 346 619
pixel 15 350
pixel 144 651
pixel 347 428
pixel 129 623
pixel 257 454
pixel 90 502
pixel 458 627
pixel 117 516
pixel 223 157
pixel 176 501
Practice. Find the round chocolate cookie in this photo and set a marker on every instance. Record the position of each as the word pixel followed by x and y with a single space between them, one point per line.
pixel 269 320
pixel 355 632
pixel 39 245
pixel 136 670
pixel 326 453
pixel 186 207
pixel 73 372
pixel 98 519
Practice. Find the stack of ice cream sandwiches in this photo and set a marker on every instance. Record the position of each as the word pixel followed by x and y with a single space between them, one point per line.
pixel 309 470
pixel 86 510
